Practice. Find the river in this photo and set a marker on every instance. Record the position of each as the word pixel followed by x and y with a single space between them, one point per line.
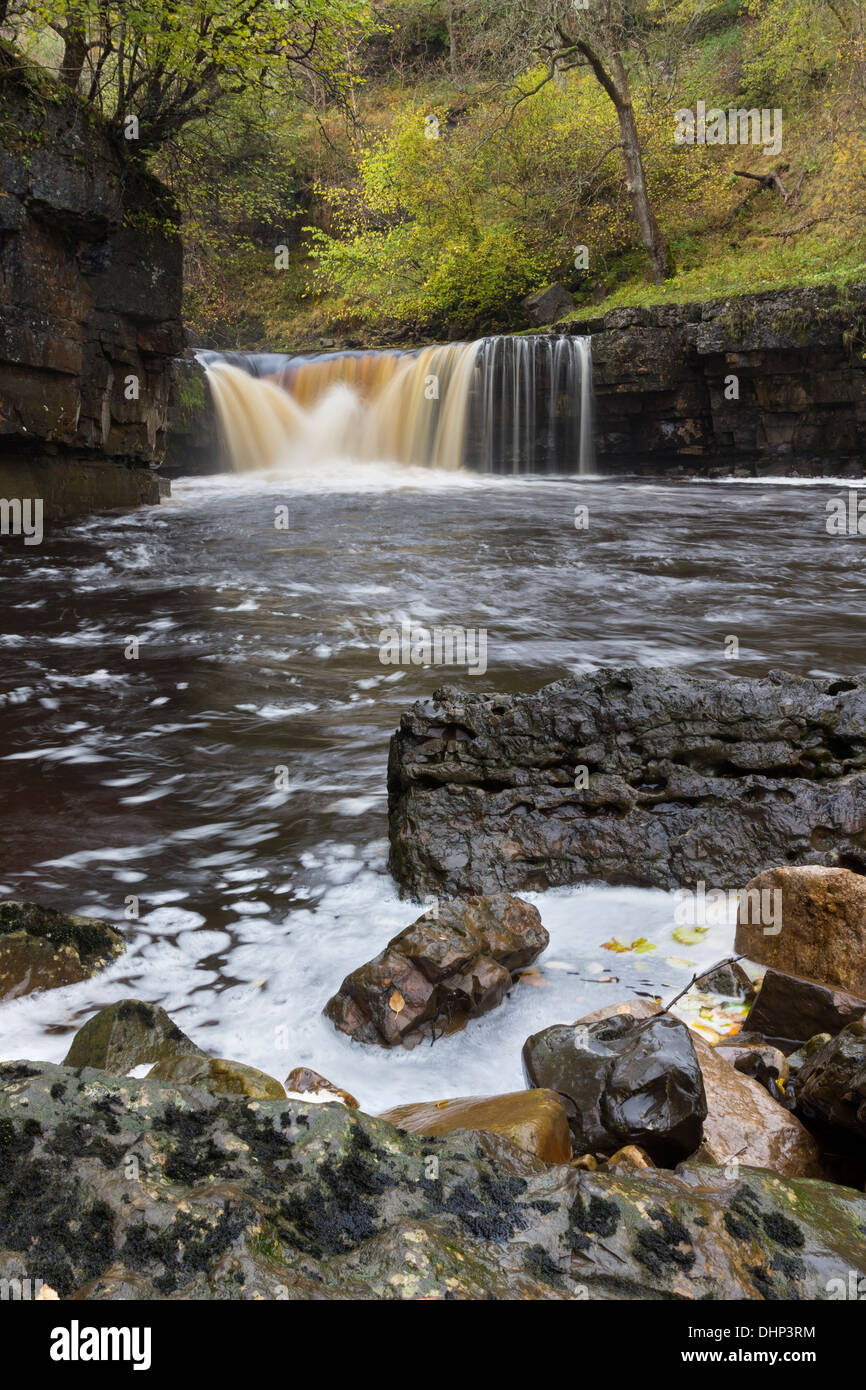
pixel 150 783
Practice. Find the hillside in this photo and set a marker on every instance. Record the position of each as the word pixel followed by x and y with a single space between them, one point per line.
pixel 342 219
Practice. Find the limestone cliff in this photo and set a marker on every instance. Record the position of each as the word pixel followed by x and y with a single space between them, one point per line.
pixel 90 305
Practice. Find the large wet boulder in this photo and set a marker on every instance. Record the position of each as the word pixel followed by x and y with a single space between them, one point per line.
pixel 744 1123
pixel 629 775
pixel 624 1081
pixel 127 1034
pixel 41 948
pixel 831 1085
pixel 821 931
pixel 537 1120
pixel 116 1188
pixel 790 1010
pixel 451 965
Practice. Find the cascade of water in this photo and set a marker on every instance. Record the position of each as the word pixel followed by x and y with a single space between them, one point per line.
pixel 501 404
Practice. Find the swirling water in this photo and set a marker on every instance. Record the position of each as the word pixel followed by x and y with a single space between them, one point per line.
pixel 151 783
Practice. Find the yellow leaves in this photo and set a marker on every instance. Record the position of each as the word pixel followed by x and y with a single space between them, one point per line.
pixel 639 946
pixel 396 1003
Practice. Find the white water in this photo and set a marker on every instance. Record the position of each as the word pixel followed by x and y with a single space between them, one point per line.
pixel 503 405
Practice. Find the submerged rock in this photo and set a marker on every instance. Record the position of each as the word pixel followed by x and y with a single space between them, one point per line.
pixel 536 1120
pixel 217 1074
pixel 832 1082
pixel 126 1034
pixel 789 1010
pixel 41 948
pixel 624 1081
pixel 116 1188
pixel 630 775
pixel 821 934
pixel 439 972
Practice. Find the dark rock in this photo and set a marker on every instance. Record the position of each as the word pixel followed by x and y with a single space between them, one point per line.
pixel 729 979
pixel 41 948
pixel 832 1083
pixel 744 1125
pixel 765 1064
pixel 789 1010
pixel 125 1035
pixel 547 305
pixel 821 932
pixel 439 972
pixel 114 1188
pixel 661 379
pixel 624 1082
pixel 797 1060
pixel 90 296
pixel 689 779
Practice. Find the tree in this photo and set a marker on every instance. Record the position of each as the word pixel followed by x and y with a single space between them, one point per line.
pixel 169 62
pixel 607 37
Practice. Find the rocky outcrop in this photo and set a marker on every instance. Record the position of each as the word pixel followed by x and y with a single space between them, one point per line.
pixel 41 948
pixel 629 775
pixel 455 963
pixel 764 383
pixel 112 1188
pixel 90 306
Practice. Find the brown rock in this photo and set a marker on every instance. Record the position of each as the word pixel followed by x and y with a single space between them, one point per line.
pixel 743 1121
pixel 790 1010
pixel 218 1074
pixel 632 1156
pixel 41 948
pixel 303 1080
pixel 823 926
pixel 439 972
pixel 536 1120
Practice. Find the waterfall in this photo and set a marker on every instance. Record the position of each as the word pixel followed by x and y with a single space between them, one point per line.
pixel 498 405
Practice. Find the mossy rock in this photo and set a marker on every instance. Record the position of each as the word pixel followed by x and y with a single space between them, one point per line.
pixel 149 1190
pixel 127 1034
pixel 218 1075
pixel 41 948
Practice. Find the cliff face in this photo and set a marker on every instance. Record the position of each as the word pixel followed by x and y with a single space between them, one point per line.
pixel 90 308
pixel 768 383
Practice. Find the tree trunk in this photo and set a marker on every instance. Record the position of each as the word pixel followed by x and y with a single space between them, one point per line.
pixel 614 80
pixel 650 232
pixel 74 54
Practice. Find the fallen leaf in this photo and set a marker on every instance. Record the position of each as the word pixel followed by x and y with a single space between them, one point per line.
pixel 690 936
pixel 641 946
pixel 614 945
pixel 397 1002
